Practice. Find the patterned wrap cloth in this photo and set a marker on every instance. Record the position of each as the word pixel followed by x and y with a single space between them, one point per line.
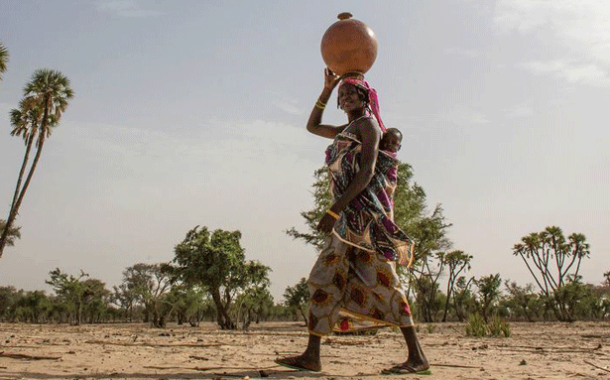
pixel 367 221
pixel 355 273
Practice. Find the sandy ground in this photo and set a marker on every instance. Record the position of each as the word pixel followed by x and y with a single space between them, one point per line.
pixel 123 351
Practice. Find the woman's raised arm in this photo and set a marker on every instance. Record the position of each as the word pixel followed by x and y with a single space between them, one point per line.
pixel 314 124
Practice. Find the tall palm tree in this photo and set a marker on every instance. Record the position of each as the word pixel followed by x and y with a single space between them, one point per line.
pixel 25 121
pixel 13 233
pixel 3 59
pixel 45 99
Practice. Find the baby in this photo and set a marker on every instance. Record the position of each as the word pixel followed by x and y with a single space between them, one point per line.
pixel 391 141
pixel 388 163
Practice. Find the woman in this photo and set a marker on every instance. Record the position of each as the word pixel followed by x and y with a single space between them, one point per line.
pixel 356 270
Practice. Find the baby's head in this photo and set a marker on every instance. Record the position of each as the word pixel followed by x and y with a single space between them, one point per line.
pixel 391 140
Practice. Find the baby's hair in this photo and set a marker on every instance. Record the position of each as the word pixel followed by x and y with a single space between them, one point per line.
pixel 395 131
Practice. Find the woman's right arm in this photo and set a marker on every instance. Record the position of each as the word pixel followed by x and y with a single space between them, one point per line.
pixel 314 124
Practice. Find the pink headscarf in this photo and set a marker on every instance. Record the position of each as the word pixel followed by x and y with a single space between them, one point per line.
pixel 373 99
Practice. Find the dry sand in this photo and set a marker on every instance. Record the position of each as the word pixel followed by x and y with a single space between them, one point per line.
pixel 130 351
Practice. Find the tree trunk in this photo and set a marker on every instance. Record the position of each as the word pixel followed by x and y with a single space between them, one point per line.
pixel 223 318
pixel 304 316
pixel 12 211
pixel 15 208
pixel 446 306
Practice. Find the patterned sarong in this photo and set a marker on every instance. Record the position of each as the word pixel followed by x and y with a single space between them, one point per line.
pixel 357 282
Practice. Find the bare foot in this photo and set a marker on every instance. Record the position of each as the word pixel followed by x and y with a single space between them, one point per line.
pixel 408 368
pixel 301 363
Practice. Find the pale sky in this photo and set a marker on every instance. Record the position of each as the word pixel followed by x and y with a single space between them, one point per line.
pixel 193 113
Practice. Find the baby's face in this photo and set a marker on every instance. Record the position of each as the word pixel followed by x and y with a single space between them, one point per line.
pixel 391 142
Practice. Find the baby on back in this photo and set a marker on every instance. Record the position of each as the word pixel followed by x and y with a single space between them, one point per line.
pixel 391 141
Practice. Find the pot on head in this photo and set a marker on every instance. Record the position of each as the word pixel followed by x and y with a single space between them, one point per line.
pixel 349 46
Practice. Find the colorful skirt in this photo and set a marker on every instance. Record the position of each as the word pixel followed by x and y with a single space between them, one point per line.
pixel 359 283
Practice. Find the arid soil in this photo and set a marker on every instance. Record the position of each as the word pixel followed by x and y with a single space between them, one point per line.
pixel 134 351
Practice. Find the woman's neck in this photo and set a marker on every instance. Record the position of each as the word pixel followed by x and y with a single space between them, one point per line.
pixel 351 116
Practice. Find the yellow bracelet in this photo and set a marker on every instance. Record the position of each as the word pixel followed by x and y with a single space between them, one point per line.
pixel 321 102
pixel 333 214
pixel 320 105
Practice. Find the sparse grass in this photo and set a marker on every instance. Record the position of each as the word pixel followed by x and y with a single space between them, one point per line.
pixel 498 327
pixel 477 327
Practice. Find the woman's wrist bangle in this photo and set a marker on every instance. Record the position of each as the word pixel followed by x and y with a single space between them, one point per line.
pixel 320 104
pixel 333 214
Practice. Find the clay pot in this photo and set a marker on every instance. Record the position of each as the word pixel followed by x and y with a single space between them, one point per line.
pixel 348 46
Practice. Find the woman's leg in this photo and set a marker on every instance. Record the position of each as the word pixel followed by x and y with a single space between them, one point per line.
pixel 416 359
pixel 308 360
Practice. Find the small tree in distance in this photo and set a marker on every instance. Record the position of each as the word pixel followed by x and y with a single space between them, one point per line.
pixel 554 262
pixel 297 297
pixel 456 261
pixel 217 262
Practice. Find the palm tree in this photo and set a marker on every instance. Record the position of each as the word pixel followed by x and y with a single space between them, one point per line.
pixel 25 121
pixel 13 233
pixel 45 99
pixel 3 59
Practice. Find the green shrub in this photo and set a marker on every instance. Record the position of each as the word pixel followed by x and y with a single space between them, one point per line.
pixel 476 326
pixel 498 327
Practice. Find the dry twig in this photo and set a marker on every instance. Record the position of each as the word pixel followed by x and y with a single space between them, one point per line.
pixel 198 357
pixel 28 357
pixel 598 367
pixel 153 344
pixel 453 365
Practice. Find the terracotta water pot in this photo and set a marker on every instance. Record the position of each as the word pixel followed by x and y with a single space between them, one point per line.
pixel 348 46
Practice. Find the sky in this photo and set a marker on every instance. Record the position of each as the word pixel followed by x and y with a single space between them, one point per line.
pixel 193 113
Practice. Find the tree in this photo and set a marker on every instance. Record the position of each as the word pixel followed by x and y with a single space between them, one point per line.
pixel 488 294
pixel 13 233
pixel 96 299
pixel 8 298
pixel 3 59
pixel 186 301
pixel 322 201
pixel 427 300
pixel 463 299
pixel 523 299
pixel 253 305
pixel 456 261
pixel 70 290
pixel 554 262
pixel 125 298
pixel 33 306
pixel 150 283
pixel 429 233
pixel 47 94
pixel 297 297
pixel 217 262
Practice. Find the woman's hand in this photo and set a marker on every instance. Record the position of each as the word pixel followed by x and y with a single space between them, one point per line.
pixel 326 224
pixel 330 79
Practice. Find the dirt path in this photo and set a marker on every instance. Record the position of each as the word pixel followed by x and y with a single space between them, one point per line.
pixel 534 351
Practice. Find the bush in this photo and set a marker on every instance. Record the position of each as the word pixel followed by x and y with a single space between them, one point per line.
pixel 498 327
pixel 477 327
